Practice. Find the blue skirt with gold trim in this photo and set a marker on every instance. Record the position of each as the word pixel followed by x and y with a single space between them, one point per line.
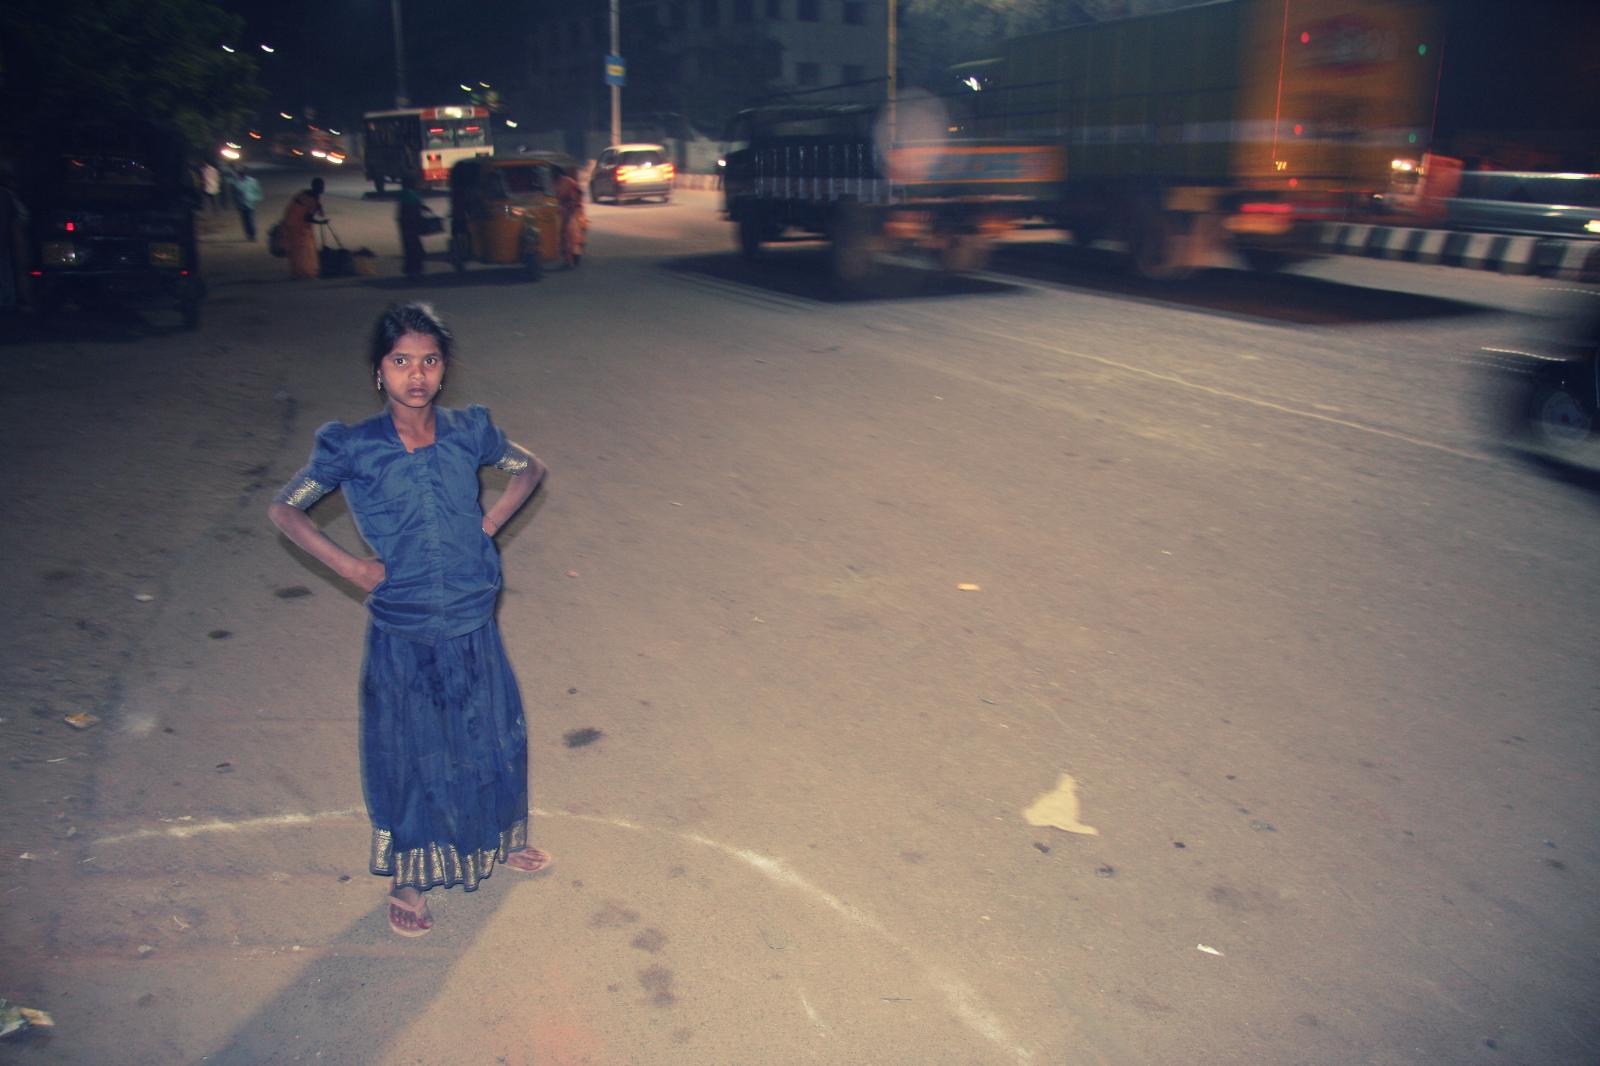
pixel 444 757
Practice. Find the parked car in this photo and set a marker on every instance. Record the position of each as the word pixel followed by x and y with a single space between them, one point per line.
pixel 112 216
pixel 632 172
pixel 1543 389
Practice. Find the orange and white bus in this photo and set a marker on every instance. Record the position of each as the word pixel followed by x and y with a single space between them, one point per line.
pixel 424 142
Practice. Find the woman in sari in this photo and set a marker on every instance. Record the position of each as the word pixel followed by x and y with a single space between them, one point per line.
pixel 303 213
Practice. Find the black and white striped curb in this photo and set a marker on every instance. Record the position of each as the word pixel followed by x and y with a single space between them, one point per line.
pixel 1546 257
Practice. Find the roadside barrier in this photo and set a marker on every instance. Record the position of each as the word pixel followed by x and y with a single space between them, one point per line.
pixel 1545 257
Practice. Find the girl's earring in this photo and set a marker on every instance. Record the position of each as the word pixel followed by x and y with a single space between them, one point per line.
pixel 379 385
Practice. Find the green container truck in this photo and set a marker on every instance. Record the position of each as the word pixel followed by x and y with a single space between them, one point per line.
pixel 1231 127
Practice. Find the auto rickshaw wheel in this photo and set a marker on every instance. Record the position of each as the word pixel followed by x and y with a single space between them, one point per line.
pixel 534 265
pixel 190 309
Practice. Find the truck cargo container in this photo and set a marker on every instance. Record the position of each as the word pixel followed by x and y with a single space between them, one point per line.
pixel 1240 124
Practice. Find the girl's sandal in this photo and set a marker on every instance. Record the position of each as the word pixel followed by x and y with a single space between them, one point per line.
pixel 418 910
pixel 529 860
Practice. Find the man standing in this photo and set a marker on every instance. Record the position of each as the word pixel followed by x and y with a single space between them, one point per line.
pixel 409 217
pixel 246 196
pixel 211 184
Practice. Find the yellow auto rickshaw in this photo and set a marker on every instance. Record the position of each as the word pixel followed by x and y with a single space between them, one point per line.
pixel 504 210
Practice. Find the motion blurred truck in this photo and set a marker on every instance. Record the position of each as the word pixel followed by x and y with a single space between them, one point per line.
pixel 1239 124
pixel 878 180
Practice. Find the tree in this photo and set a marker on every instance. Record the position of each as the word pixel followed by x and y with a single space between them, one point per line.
pixel 157 59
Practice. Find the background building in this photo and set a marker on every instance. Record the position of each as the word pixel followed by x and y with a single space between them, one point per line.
pixel 693 63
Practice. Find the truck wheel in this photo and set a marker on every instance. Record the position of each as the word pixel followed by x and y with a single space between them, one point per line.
pixel 1560 420
pixel 378 186
pixel 850 232
pixel 752 227
pixel 458 257
pixel 964 254
pixel 1157 247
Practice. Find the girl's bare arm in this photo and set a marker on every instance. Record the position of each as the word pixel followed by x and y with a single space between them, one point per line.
pixel 518 489
pixel 365 574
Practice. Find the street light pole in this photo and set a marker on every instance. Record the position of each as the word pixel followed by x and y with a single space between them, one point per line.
pixel 890 103
pixel 401 98
pixel 616 90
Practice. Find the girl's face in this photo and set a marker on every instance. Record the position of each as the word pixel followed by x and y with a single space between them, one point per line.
pixel 413 372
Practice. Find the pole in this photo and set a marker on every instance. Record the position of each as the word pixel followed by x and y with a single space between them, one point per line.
pixel 401 98
pixel 890 103
pixel 616 90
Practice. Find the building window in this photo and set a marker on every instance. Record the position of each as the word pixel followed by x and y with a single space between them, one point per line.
pixel 775 10
pixel 709 13
pixel 744 10
pixel 808 73
pixel 855 12
pixel 852 72
pixel 808 10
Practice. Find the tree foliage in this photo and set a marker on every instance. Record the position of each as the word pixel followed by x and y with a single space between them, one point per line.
pixel 157 59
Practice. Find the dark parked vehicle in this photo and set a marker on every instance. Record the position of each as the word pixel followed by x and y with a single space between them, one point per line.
pixel 112 215
pixel 1544 390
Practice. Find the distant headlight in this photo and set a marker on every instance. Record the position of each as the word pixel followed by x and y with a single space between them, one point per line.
pixel 229 153
pixel 1592 226
pixel 165 254
pixel 336 158
pixel 62 254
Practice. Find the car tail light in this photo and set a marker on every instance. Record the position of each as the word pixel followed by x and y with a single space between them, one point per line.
pixel 1270 208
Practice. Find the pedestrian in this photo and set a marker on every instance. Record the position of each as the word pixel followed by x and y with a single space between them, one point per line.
pixel 409 218
pixel 211 185
pixel 574 222
pixel 14 221
pixel 300 216
pixel 246 197
pixel 443 742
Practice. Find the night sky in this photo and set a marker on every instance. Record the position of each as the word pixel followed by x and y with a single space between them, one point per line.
pixel 1514 68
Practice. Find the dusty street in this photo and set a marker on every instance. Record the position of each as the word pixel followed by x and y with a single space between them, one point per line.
pixel 820 595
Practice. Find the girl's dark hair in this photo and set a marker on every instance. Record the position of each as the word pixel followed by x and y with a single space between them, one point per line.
pixel 412 317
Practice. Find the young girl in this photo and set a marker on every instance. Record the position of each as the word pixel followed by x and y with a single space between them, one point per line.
pixel 443 744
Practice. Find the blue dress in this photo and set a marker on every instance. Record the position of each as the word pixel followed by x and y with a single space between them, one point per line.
pixel 444 747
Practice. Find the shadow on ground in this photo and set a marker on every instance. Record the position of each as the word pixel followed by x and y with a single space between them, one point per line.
pixel 367 985
pixel 105 323
pixel 803 271
pixel 1284 297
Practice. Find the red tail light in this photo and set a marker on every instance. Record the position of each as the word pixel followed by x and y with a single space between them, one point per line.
pixel 1271 208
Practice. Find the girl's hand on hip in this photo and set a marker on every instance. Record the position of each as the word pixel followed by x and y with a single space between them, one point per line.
pixel 368 574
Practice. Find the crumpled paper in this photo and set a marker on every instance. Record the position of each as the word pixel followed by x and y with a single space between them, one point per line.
pixel 1059 809
pixel 15 1018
